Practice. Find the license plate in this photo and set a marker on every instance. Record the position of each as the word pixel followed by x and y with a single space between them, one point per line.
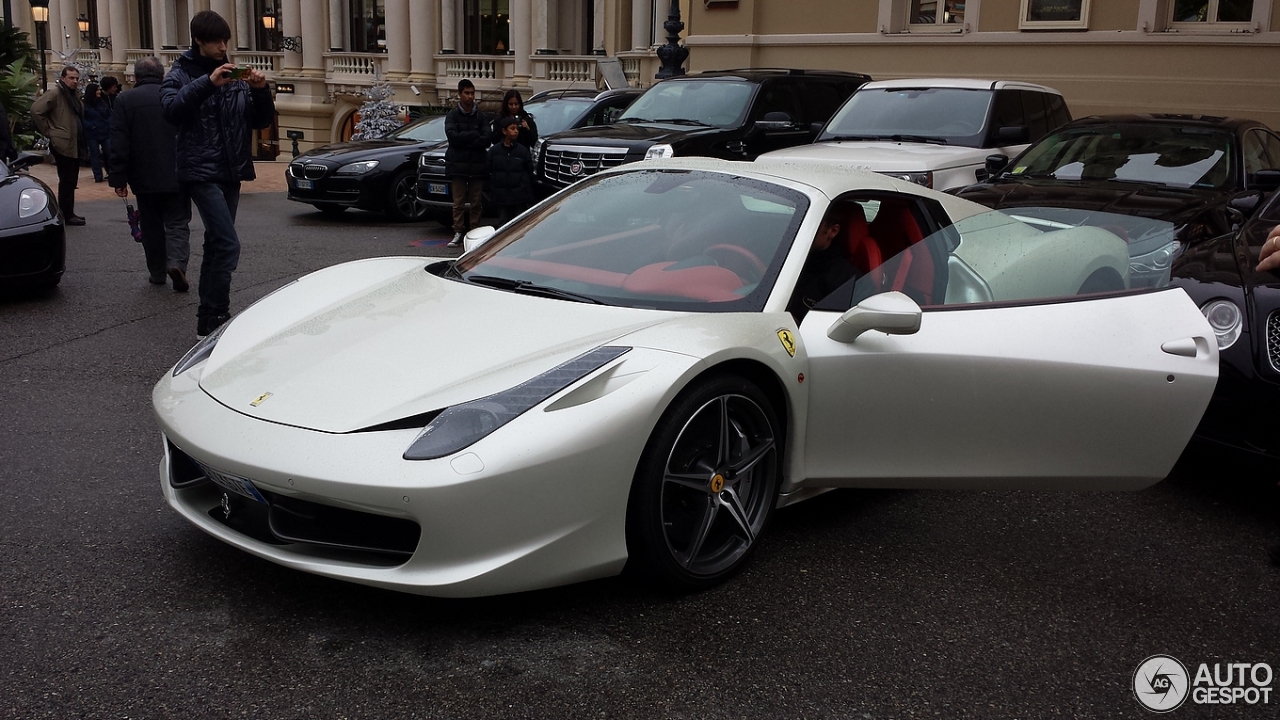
pixel 233 483
pixel 437 189
pixel 304 184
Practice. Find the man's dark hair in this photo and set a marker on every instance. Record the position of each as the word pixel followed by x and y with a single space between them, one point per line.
pixel 505 121
pixel 67 69
pixel 208 26
pixel 464 83
pixel 109 82
pixel 146 67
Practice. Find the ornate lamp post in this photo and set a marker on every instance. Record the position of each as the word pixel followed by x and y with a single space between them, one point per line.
pixel 673 54
pixel 40 14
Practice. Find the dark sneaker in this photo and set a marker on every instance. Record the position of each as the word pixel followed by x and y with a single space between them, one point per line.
pixel 74 220
pixel 180 283
pixel 207 324
pixel 157 280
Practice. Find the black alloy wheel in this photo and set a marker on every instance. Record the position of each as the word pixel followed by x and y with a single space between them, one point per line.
pixel 707 484
pixel 402 200
pixel 329 208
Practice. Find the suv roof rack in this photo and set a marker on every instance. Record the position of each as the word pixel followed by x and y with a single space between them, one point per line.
pixel 787 71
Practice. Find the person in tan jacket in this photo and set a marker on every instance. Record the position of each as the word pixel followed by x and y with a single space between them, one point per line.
pixel 59 116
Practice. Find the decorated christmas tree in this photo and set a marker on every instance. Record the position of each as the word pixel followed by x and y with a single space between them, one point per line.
pixel 378 116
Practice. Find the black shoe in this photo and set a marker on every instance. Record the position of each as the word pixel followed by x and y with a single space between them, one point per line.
pixel 74 220
pixel 180 283
pixel 157 280
pixel 207 324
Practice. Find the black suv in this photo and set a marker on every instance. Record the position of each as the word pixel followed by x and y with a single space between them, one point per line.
pixel 729 114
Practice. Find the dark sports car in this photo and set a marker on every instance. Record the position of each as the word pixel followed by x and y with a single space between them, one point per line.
pixel 1201 194
pixel 376 175
pixel 33 248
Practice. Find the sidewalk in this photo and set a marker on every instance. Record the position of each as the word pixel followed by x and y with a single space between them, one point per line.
pixel 270 179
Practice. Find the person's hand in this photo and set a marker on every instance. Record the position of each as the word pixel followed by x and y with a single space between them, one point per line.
pixel 1269 258
pixel 221 75
pixel 524 123
pixel 256 78
pixel 122 192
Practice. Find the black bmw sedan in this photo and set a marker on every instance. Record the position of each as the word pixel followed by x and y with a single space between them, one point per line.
pixel 1210 183
pixel 376 175
pixel 33 247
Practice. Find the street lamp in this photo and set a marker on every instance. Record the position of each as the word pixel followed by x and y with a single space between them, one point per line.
pixel 673 54
pixel 83 23
pixel 40 14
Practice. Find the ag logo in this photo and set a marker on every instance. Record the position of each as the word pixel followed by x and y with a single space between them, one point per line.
pixel 788 342
pixel 1160 683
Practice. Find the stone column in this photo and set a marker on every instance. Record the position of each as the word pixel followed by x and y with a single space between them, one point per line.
pixel 104 30
pixel 311 28
pixel 522 41
pixel 449 26
pixel 597 28
pixel 227 11
pixel 166 14
pixel 246 25
pixel 424 21
pixel 544 28
pixel 641 22
pixel 65 26
pixel 120 39
pixel 397 23
pixel 337 39
pixel 290 23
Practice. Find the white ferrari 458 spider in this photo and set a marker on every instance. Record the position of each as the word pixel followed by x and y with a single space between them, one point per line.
pixel 641 368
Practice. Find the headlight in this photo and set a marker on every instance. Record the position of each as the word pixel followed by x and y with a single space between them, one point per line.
pixel 463 425
pixel 32 201
pixel 1224 317
pixel 200 352
pixel 658 152
pixel 919 178
pixel 537 150
pixel 358 168
pixel 1158 260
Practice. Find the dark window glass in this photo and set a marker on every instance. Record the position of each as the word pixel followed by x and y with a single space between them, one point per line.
pixel 1255 153
pixel 368 26
pixel 1153 154
pixel 776 97
pixel 1058 113
pixel 488 27
pixel 1273 150
pixel 145 38
pixel 820 100
pixel 1037 114
pixel 1008 111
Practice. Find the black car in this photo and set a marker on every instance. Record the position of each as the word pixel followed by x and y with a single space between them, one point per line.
pixel 376 175
pixel 33 247
pixel 1213 179
pixel 728 114
pixel 553 110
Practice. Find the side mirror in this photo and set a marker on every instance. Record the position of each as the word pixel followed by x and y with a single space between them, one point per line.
pixel 1246 203
pixel 1013 135
pixel 891 312
pixel 611 115
pixel 815 129
pixel 26 160
pixel 477 237
pixel 1266 180
pixel 996 164
pixel 774 121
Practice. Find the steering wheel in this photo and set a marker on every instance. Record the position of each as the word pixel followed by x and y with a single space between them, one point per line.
pixel 738 259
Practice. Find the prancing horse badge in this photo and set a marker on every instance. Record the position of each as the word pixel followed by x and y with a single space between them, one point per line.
pixel 263 397
pixel 788 342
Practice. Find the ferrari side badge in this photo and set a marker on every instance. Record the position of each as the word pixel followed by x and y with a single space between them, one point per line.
pixel 788 342
pixel 260 399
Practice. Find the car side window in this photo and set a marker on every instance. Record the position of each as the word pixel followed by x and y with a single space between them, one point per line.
pixel 1059 115
pixel 1272 144
pixel 1006 111
pixel 820 101
pixel 1255 154
pixel 776 97
pixel 1036 110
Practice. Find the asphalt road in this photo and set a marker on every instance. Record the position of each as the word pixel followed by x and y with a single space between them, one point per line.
pixel 859 604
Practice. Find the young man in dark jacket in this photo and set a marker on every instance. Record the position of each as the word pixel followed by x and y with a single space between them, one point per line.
pixel 141 157
pixel 510 172
pixel 464 161
pixel 215 116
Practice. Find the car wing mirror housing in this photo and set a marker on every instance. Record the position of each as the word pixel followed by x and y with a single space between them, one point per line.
pixel 1267 180
pixel 1013 135
pixel 477 237
pixel 996 164
pixel 773 121
pixel 891 312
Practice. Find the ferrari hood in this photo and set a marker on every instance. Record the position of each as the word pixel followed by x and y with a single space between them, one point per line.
pixel 884 156
pixel 374 341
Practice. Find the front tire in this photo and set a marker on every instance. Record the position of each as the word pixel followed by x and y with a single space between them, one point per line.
pixel 706 485
pixel 402 198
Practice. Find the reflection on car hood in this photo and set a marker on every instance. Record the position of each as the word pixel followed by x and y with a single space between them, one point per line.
pixel 1175 205
pixel 627 134
pixel 884 156
pixel 360 149
pixel 373 341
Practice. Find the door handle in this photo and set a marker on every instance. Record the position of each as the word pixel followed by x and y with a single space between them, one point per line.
pixel 1186 347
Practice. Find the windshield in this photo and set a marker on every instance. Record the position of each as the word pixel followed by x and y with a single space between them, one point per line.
pixel 720 103
pixel 554 115
pixel 1155 154
pixel 422 131
pixel 957 116
pixel 648 239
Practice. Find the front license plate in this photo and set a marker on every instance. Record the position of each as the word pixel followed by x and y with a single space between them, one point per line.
pixel 437 189
pixel 233 483
pixel 304 184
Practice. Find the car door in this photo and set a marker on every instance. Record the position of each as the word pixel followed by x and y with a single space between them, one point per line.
pixel 1024 372
pixel 775 96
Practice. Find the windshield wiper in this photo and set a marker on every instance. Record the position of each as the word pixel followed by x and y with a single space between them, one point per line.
pixel 681 121
pixel 894 138
pixel 529 288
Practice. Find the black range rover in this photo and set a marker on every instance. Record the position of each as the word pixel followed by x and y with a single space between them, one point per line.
pixel 729 114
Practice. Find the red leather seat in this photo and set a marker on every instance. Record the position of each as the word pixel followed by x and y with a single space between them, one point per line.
pixel 898 232
pixel 861 248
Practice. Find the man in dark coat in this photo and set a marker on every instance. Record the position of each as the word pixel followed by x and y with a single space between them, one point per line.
pixel 464 162
pixel 215 115
pixel 510 172
pixel 141 157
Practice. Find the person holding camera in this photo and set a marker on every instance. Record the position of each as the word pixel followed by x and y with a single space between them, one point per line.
pixel 215 107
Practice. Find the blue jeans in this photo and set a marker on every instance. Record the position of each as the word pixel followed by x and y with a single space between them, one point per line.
pixel 98 153
pixel 216 203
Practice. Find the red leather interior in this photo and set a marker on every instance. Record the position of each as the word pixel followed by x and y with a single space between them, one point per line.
pixel 862 249
pixel 710 283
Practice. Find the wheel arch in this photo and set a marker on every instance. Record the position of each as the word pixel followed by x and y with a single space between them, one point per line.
pixel 763 377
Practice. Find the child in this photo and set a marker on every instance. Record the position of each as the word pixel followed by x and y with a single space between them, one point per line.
pixel 510 172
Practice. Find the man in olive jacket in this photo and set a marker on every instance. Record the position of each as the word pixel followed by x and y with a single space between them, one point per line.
pixel 215 115
pixel 465 161
pixel 141 157
pixel 59 116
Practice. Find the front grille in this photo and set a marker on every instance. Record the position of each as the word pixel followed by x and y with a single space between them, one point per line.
pixel 1273 340
pixel 567 164
pixel 310 172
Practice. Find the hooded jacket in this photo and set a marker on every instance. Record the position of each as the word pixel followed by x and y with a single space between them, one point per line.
pixel 214 124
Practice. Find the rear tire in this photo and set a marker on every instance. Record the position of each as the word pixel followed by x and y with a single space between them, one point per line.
pixel 705 488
